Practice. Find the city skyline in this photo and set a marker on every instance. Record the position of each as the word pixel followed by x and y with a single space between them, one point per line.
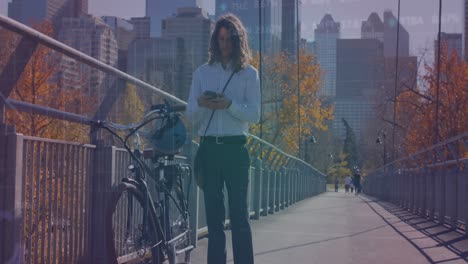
pixel 419 20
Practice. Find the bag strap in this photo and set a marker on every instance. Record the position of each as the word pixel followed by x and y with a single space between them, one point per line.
pixel 212 112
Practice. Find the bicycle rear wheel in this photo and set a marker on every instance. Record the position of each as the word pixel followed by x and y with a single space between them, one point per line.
pixel 176 227
pixel 131 231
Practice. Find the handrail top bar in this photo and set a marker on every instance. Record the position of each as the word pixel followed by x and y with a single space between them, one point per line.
pixel 284 153
pixel 43 110
pixel 55 141
pixel 443 143
pixel 54 44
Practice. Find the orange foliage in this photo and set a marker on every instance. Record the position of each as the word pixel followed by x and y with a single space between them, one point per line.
pixel 38 85
pixel 418 109
pixel 280 100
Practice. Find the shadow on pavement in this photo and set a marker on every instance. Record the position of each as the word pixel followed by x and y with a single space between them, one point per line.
pixel 314 242
pixel 444 236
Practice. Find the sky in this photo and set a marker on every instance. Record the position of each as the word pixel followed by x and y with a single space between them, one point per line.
pixel 419 17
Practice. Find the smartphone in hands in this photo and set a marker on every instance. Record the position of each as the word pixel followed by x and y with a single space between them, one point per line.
pixel 210 94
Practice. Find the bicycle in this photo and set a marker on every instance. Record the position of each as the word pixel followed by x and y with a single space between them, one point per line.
pixel 140 229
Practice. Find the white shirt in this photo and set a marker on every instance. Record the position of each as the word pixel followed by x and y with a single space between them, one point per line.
pixel 243 90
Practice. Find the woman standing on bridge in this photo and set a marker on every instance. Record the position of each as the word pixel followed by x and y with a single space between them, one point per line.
pixel 224 99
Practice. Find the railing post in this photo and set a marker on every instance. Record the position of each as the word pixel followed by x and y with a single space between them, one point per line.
pixel 454 193
pixel 303 184
pixel 11 193
pixel 287 188
pixel 407 190
pixel 100 188
pixel 265 191
pixel 432 193
pixel 257 190
pixel 443 197
pixel 277 202
pixel 400 186
pixel 424 190
pixel 310 185
pixel 283 188
pixel 300 184
pixel 272 192
pixel 417 181
pixel 293 186
pixel 412 206
pixel 465 197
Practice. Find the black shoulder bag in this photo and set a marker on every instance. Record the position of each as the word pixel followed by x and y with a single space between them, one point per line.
pixel 200 162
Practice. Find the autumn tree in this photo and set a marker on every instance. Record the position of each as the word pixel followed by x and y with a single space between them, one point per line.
pixel 129 107
pixel 280 81
pixel 418 106
pixel 8 41
pixel 384 105
pixel 39 85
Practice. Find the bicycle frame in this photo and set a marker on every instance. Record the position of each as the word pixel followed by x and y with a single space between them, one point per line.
pixel 156 210
pixel 163 199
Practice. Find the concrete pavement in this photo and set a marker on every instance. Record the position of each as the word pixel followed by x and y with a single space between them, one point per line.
pixel 338 228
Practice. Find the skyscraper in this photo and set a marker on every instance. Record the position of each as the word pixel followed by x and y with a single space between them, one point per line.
pixel 373 28
pixel 142 26
pixel 33 11
pixel 124 34
pixel 390 37
pixel 248 13
pixel 326 35
pixel 360 73
pixel 466 30
pixel 158 10
pixel 289 21
pixel 99 43
pixel 160 62
pixel 452 42
pixel 194 27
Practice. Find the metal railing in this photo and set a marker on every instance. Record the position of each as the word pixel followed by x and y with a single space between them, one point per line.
pixel 53 193
pixel 432 183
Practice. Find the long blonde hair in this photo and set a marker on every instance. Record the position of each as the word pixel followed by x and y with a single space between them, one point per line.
pixel 241 55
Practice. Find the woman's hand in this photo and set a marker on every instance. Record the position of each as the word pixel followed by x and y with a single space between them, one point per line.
pixel 220 102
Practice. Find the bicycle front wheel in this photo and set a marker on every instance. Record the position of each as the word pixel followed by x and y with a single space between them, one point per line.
pixel 131 231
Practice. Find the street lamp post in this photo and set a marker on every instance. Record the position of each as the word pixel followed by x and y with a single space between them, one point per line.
pixel 312 140
pixel 381 139
pixel 396 82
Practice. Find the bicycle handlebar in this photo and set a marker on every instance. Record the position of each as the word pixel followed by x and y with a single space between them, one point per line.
pixel 168 108
pixel 178 108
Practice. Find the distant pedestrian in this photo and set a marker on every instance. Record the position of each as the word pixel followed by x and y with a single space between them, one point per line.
pixel 337 183
pixel 351 187
pixel 357 182
pixel 348 182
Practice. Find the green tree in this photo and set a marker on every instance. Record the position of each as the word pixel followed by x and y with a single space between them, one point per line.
pixel 339 168
pixel 350 146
